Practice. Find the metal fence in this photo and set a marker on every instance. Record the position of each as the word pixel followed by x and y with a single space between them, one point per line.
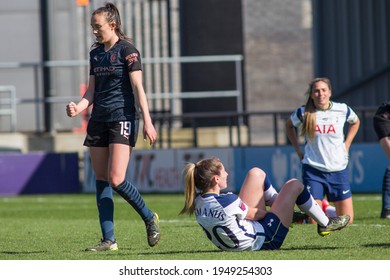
pixel 8 106
pixel 164 100
pixel 245 135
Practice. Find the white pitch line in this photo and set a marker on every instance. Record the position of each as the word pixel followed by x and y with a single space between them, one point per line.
pixel 191 221
pixel 178 221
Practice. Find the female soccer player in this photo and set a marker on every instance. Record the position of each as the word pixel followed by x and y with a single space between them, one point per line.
pixel 116 92
pixel 381 123
pixel 237 223
pixel 325 158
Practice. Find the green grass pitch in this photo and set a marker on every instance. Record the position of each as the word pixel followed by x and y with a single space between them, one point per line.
pixel 60 227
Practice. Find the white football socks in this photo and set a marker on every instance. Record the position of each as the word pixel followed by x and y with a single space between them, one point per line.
pixel 312 208
pixel 270 195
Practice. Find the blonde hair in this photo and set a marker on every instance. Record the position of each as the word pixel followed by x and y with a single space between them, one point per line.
pixel 198 177
pixel 309 119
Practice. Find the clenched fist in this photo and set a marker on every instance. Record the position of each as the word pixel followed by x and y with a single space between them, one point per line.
pixel 71 109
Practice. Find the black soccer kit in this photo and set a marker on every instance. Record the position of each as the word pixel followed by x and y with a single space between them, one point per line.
pixel 114 118
pixel 113 97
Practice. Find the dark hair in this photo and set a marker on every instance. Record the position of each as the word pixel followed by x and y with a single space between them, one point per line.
pixel 111 14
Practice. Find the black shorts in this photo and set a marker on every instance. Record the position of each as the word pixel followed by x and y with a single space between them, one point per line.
pixel 101 134
pixel 382 121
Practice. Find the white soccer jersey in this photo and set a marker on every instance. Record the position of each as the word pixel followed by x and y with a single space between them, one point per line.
pixel 222 219
pixel 327 151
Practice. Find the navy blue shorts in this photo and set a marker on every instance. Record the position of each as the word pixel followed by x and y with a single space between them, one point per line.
pixel 275 232
pixel 335 185
pixel 101 134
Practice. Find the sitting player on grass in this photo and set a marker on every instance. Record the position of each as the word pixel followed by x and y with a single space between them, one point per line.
pixel 237 223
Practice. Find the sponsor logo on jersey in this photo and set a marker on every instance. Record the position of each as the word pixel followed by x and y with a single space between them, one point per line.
pixel 325 129
pixel 103 71
pixel 131 58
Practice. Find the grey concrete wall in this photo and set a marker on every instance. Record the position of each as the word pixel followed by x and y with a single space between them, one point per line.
pixel 278 53
pixel 20 33
pixel 278 59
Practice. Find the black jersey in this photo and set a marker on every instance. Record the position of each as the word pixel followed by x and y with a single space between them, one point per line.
pixel 113 96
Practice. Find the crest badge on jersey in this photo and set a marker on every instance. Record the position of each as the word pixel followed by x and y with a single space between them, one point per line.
pixel 113 57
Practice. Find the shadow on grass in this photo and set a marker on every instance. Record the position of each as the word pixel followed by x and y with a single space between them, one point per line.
pixel 305 248
pixel 179 252
pixel 21 253
pixel 381 245
pixel 185 252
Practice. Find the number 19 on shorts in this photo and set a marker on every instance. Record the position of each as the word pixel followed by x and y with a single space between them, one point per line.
pixel 125 129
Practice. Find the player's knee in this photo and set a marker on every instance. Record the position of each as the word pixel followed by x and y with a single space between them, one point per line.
pixel 257 172
pixel 116 181
pixel 101 177
pixel 295 184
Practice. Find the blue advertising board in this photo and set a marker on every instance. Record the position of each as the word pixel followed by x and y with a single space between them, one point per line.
pixel 367 165
pixel 161 170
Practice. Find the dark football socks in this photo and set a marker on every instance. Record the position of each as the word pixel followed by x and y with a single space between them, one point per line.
pixel 270 193
pixel 386 190
pixel 105 206
pixel 133 197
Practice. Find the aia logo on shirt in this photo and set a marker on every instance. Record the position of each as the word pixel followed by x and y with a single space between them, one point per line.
pixel 113 57
pixel 242 206
pixel 325 129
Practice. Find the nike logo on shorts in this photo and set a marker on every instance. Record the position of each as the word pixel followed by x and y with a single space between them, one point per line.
pixel 345 192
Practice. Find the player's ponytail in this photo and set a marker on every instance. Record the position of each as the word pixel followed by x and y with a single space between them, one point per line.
pixel 309 120
pixel 189 189
pixel 111 13
pixel 199 177
pixel 115 16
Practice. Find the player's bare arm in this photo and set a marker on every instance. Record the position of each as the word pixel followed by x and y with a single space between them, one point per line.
pixel 353 129
pixel 293 137
pixel 73 109
pixel 140 98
